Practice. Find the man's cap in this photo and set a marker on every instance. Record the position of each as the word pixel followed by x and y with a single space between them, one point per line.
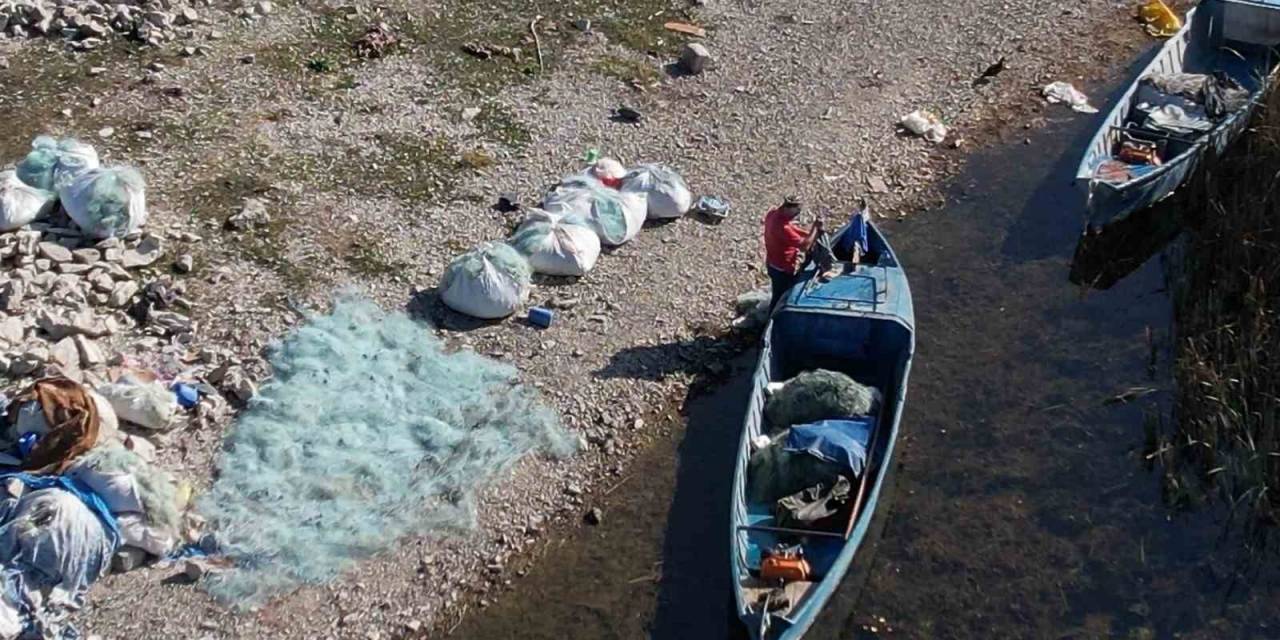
pixel 791 201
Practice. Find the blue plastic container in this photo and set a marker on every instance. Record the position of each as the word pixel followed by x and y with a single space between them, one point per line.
pixel 188 396
pixel 541 316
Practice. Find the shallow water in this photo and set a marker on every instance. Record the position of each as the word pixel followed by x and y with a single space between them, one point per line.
pixel 1022 506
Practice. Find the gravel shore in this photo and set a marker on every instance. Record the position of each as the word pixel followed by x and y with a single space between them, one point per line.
pixel 374 178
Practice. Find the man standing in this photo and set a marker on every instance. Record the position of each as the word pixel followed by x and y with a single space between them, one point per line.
pixel 785 245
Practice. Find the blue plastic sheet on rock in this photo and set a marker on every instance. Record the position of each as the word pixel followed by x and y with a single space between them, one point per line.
pixel 369 431
pixel 843 442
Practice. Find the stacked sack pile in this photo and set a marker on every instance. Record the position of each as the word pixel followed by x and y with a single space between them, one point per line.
pixel 603 206
pixel 103 202
pixel 79 493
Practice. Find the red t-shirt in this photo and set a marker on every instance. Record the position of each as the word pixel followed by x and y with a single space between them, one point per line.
pixel 782 241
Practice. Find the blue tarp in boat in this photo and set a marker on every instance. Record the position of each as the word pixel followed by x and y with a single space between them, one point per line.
pixel 843 442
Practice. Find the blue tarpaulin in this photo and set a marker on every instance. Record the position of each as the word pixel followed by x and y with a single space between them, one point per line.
pixel 843 442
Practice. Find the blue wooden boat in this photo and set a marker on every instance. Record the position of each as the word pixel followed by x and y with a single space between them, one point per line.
pixel 1235 37
pixel 860 323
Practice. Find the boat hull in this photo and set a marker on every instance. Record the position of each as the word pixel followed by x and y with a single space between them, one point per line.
pixel 788 334
pixel 1197 48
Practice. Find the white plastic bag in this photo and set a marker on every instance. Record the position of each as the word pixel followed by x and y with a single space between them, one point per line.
pixel 21 203
pixel 74 158
pixel 557 246
pixel 106 202
pixel 117 489
pixel 608 171
pixel 1066 93
pixel 36 169
pixel 667 196
pixel 925 124
pixel 615 216
pixel 135 532
pixel 490 282
pixel 150 405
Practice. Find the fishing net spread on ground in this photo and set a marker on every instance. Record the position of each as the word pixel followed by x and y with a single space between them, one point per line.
pixel 369 431
pixel 818 395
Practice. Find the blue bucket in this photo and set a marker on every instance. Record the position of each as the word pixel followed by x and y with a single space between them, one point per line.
pixel 541 316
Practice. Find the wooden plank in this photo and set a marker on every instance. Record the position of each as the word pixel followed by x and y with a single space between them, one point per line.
pixel 686 28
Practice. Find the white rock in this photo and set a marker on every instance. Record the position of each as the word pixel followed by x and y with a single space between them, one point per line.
pixel 54 252
pixel 65 354
pixel 86 256
pixel 102 281
pixel 184 264
pixel 90 352
pixel 127 559
pixel 174 323
pixel 72 268
pixel 253 213
pixel 123 293
pixel 144 255
pixel 694 57
pixel 11 331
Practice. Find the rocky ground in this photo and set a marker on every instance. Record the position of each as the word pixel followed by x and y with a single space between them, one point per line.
pixel 371 165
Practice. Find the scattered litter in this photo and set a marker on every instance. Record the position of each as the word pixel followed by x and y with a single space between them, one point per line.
pixel 187 395
pixel 1158 19
pixel 925 124
pixel 487 51
pixel 628 114
pixel 377 41
pixel 557 246
pixel 371 430
pixel 713 207
pixel 489 282
pixel 686 28
pixel 541 316
pixel 1066 93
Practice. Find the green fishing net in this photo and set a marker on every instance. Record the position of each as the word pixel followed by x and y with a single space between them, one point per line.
pixel 369 431
pixel 817 395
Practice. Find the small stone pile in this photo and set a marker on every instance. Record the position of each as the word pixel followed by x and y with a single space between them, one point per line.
pixel 74 306
pixel 60 292
pixel 88 24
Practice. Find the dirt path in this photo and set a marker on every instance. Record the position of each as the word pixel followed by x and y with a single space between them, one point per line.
pixel 375 180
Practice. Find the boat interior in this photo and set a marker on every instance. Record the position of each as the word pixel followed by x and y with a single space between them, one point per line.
pixel 1200 49
pixel 874 352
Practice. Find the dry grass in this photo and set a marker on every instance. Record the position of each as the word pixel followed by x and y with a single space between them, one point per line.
pixel 1227 434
